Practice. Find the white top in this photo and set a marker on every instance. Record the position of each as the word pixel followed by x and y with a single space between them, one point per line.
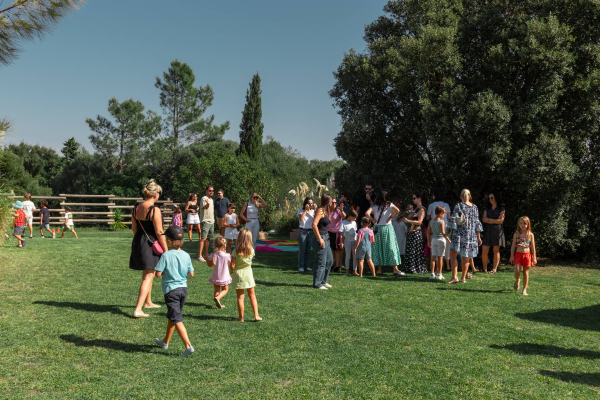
pixel 348 228
pixel 251 211
pixel 208 215
pixel 28 208
pixel 69 218
pixel 306 223
pixel 231 219
pixel 432 206
pixel 386 214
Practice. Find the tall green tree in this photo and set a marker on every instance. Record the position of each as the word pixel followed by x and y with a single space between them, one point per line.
pixel 42 163
pixel 70 150
pixel 125 140
pixel 251 127
pixel 487 95
pixel 25 20
pixel 184 106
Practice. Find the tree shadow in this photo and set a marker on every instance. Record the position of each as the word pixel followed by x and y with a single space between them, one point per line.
pixel 584 378
pixel 534 349
pixel 111 345
pixel 265 283
pixel 102 308
pixel 475 290
pixel 585 318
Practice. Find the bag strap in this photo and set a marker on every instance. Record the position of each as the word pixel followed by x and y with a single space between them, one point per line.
pixel 139 222
pixel 380 214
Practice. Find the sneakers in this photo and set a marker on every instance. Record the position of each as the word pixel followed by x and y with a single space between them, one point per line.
pixel 201 259
pixel 440 277
pixel 23 241
pixel 322 288
pixel 399 273
pixel 300 269
pixel 187 352
pixel 53 235
pixel 30 236
pixel 42 236
pixel 161 344
pixel 309 269
pixel 327 285
pixel 432 276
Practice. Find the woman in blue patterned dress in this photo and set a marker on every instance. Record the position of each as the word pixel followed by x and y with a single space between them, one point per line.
pixel 466 238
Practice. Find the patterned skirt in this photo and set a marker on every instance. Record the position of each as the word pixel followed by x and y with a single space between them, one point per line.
pixel 415 253
pixel 385 248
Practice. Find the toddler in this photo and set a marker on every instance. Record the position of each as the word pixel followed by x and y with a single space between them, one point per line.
pixel 362 249
pixel 174 267
pixel 241 273
pixel 20 221
pixel 176 216
pixel 220 277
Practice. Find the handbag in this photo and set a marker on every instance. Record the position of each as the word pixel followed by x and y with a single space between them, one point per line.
pixel 156 246
pixel 461 218
pixel 244 215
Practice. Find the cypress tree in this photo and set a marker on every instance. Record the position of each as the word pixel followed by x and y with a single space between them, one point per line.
pixel 251 127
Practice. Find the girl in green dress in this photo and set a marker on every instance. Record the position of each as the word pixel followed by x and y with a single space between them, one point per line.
pixel 241 273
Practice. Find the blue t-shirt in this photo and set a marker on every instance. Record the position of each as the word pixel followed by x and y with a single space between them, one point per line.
pixel 221 207
pixel 175 265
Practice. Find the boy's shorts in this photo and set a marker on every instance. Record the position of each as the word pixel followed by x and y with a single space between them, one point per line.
pixel 207 229
pixel 19 230
pixel 45 226
pixel 175 301
pixel 30 220
pixel 69 227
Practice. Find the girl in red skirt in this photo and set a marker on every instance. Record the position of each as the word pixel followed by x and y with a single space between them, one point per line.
pixel 524 257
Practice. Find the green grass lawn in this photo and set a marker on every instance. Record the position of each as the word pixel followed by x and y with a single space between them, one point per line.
pixel 66 331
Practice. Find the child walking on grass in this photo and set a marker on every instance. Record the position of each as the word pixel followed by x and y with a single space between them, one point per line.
pixel 362 250
pixel 20 221
pixel 69 223
pixel 231 222
pixel 174 267
pixel 220 277
pixel 524 257
pixel 241 273
pixel 45 219
pixel 28 209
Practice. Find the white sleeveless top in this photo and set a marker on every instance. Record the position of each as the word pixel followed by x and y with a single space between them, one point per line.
pixel 231 219
pixel 251 211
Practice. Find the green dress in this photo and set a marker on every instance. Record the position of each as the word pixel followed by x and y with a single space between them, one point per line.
pixel 242 277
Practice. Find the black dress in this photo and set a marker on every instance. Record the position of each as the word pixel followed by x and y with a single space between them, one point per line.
pixel 493 234
pixel 142 257
pixel 415 251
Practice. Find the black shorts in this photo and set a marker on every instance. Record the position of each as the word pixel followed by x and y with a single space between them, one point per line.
pixel 333 240
pixel 175 300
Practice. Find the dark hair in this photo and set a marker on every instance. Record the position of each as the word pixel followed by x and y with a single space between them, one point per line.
pixel 231 205
pixel 221 190
pixel 306 200
pixel 381 201
pixel 67 208
pixel 364 221
pixel 439 210
pixel 352 213
pixel 191 196
pixel 210 187
pixel 369 184
pixel 44 203
pixel 420 195
pixel 347 195
pixel 496 197
pixel 325 201
pixel 177 210
pixel 175 243
pixel 439 195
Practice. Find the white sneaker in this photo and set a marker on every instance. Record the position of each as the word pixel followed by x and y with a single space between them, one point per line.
pixel 30 236
pixel 432 276
pixel 441 277
pixel 300 269
pixel 53 235
pixel 322 288
pixel 201 259
pixel 327 285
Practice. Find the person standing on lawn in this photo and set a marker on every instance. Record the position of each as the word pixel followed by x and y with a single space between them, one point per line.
pixel 385 248
pixel 250 213
pixel 20 221
pixel 147 227
pixel 241 274
pixel 306 215
pixel 493 231
pixel 438 201
pixel 207 222
pixel 365 202
pixel 45 219
pixel 221 205
pixel 336 216
pixel 415 254
pixel 28 209
pixel 320 242
pixel 193 219
pixel 524 257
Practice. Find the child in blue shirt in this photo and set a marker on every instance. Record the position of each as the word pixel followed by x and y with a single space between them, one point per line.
pixel 174 266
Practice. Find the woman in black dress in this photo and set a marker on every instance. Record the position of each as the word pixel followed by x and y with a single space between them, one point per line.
pixel 146 223
pixel 493 231
pixel 415 251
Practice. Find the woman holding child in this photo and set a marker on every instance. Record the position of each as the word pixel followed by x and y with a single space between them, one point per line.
pixel 385 247
pixel 415 254
pixel 146 224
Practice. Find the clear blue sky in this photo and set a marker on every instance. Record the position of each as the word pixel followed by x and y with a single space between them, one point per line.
pixel 116 48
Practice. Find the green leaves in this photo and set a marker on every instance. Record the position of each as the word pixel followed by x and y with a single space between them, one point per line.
pixel 251 127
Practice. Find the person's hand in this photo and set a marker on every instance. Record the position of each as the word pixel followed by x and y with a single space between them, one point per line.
pixel 512 260
pixel 479 241
pixel 307 207
pixel 428 244
pixel 389 220
pixel 341 245
pixel 354 251
pixel 405 220
pixel 368 196
pixel 322 243
pixel 534 261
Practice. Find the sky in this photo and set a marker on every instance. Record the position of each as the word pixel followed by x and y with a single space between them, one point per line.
pixel 117 48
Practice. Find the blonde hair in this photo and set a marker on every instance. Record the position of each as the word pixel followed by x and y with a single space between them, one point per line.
pixel 527 221
pixel 465 195
pixel 151 188
pixel 243 246
pixel 219 243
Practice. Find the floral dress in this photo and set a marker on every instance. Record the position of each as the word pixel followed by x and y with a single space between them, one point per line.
pixel 464 238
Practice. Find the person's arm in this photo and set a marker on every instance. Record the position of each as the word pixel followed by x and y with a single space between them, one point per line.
pixel 210 262
pixel 187 207
pixel 419 220
pixel 368 215
pixel 134 225
pixel 359 237
pixel 513 248
pixel 158 274
pixel 443 227
pixel 341 208
pixel 484 219
pixel 158 228
pixel 301 216
pixel 533 252
pixel 500 220
pixel 428 216
pixel 232 265
pixel 207 201
pixel 237 221
pixel 429 237
pixel 320 213
pixel 395 211
pixel 262 204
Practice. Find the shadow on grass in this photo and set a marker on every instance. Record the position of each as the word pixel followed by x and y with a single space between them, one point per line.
pixel 585 318
pixel 209 306
pixel 102 308
pixel 475 290
pixel 265 283
pixel 111 345
pixel 534 349
pixel 202 317
pixel 589 378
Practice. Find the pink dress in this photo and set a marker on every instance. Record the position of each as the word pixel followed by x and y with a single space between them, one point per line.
pixel 220 275
pixel 176 220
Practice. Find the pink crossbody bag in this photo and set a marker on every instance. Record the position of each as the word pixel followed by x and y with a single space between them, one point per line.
pixel 156 246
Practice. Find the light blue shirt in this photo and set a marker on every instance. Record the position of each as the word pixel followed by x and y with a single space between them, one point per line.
pixel 175 265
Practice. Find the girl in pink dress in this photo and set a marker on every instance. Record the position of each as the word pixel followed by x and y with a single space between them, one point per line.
pixel 176 216
pixel 220 277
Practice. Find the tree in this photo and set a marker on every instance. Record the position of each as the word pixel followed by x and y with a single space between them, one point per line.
pixel 184 105
pixel 129 137
pixel 42 163
pixel 70 149
pixel 481 94
pixel 25 20
pixel 251 127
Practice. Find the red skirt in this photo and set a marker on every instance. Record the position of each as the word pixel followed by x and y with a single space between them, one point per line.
pixel 524 259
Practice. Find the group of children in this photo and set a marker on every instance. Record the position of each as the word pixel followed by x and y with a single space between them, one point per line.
pixel 24 218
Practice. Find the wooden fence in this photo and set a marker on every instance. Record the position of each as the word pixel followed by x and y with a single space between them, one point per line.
pixel 95 212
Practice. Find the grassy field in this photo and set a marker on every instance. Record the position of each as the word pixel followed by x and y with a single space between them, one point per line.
pixel 66 331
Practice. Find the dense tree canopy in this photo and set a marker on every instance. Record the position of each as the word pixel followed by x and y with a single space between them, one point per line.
pixel 485 95
pixel 251 127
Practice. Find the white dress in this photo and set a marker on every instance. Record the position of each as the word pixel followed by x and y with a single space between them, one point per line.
pixel 231 233
pixel 401 229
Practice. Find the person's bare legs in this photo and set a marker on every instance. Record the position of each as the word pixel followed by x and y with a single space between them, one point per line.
pixel 525 280
pixel 378 267
pixel 517 276
pixel 19 240
pixel 439 264
pixel 496 250
pixel 220 291
pixel 484 257
pixel 30 230
pixel 145 291
pixel 395 269
pixel 454 264
pixel 338 259
pixel 181 331
pixel 253 304
pixel 75 233
pixel 465 261
pixel 228 249
pixel 198 231
pixel 240 302
pixel 190 227
pixel 432 265
pixel 372 267
pixel 360 267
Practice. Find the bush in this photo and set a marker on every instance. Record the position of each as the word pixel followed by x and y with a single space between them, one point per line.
pixel 5 216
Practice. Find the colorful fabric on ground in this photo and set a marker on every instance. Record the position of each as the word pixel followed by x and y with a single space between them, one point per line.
pixel 276 245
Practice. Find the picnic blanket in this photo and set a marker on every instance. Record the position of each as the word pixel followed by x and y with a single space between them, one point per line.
pixel 276 245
